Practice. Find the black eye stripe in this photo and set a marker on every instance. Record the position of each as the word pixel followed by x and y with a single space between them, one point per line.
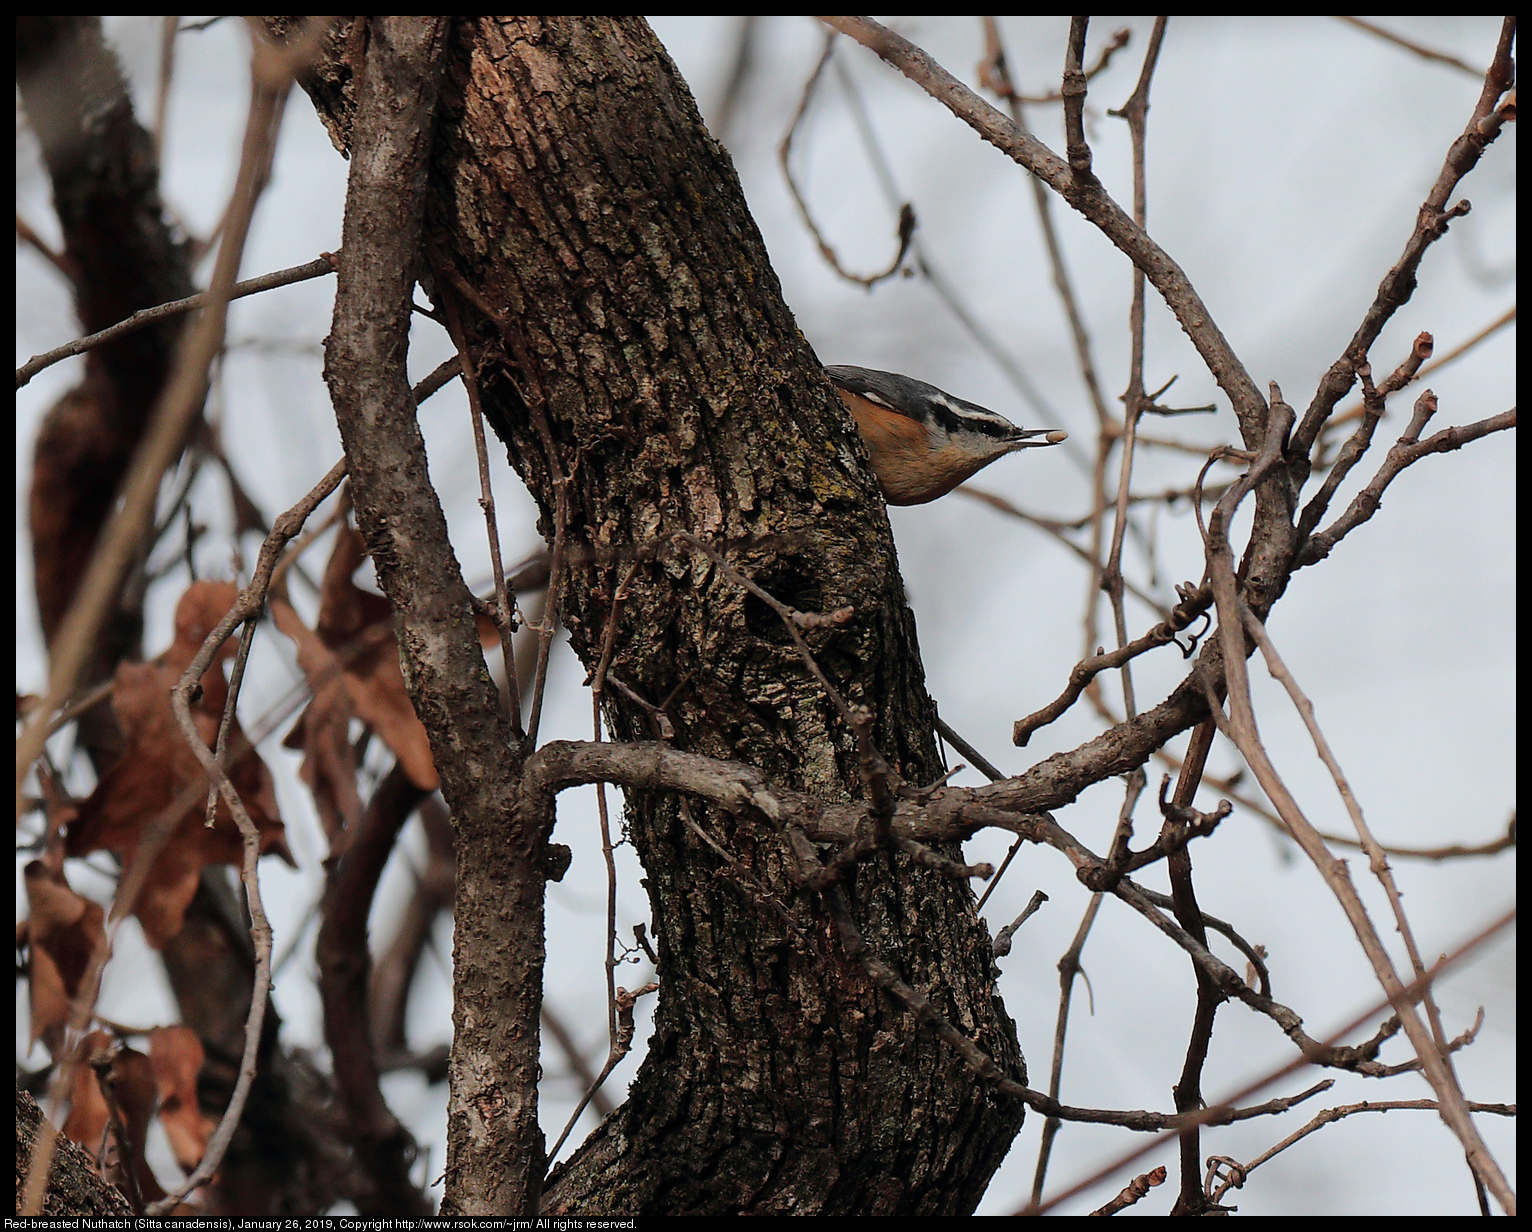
pixel 953 421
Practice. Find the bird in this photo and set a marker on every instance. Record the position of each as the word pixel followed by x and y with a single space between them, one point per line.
pixel 922 441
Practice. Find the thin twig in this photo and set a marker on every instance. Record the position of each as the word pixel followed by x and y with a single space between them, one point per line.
pixel 1188 1089
pixel 1209 1115
pixel 598 684
pixel 534 399
pixel 246 608
pixel 1135 111
pixel 59 260
pixel 1374 403
pixel 168 29
pixel 955 813
pixel 1240 727
pixel 1068 968
pixel 1238 1174
pixel 1353 413
pixel 1424 52
pixel 856 948
pixel 1076 149
pixel 553 1023
pixel 978 759
pixel 946 290
pixel 1084 194
pixel 505 599
pixel 1193 604
pixel 316 268
pixel 1490 115
pixel 621 1047
pixel 906 228
pixel 1407 450
pixel 1135 1189
pixel 1377 860
pixel 1056 529
pixel 1001 946
pixel 995 74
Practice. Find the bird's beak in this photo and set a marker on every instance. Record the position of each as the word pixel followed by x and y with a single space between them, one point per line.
pixel 1024 437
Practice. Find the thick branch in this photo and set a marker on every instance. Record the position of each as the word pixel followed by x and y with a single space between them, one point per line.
pixel 498 976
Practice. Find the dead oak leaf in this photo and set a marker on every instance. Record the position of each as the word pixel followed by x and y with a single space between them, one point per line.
pixel 158 773
pixel 131 1091
pixel 351 660
pixel 176 1056
pixel 323 730
pixel 61 932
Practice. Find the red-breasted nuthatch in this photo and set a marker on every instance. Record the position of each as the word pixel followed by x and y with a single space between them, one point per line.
pixel 923 442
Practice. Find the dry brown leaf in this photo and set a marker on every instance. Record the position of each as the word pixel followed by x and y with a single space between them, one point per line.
pixel 159 765
pixel 62 930
pixel 176 1056
pixel 323 731
pixel 88 1113
pixel 488 631
pixel 133 1091
pixel 353 645
pixel 359 628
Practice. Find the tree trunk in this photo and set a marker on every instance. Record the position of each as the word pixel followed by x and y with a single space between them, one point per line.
pixel 595 242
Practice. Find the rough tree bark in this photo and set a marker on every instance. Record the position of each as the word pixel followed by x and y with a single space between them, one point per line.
pixel 597 246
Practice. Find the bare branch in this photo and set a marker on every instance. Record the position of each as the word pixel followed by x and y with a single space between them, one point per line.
pixel 906 228
pixel 1238 1174
pixel 1444 964
pixel 1424 52
pixel 1135 1189
pixel 1484 125
pixel 179 404
pixel 1240 727
pixel 1193 604
pixel 1407 450
pixel 316 268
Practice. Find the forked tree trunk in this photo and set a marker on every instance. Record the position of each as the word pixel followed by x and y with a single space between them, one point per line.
pixel 619 283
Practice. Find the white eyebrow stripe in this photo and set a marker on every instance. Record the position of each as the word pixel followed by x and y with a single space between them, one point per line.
pixel 969 410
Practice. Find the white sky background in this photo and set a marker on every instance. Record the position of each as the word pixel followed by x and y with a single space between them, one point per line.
pixel 1287 159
